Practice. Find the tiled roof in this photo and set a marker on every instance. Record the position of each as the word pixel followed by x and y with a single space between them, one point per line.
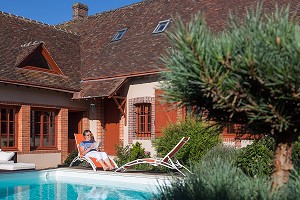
pixel 99 88
pixel 83 49
pixel 20 36
pixel 25 51
pixel 139 50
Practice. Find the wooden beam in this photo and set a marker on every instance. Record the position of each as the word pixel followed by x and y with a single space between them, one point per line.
pixel 118 97
pixel 122 106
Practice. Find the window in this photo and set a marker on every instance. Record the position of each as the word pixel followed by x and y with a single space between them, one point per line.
pixel 42 129
pixel 235 128
pixel 119 35
pixel 8 128
pixel 143 119
pixel 161 27
pixel 195 112
pixel 39 59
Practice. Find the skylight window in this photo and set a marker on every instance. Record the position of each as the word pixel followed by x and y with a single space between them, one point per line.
pixel 161 27
pixel 119 34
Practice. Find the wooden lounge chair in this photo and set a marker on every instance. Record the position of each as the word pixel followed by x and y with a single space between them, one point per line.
pixel 92 161
pixel 168 161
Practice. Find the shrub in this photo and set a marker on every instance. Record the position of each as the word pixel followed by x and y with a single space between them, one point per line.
pixel 296 155
pixel 70 157
pixel 291 190
pixel 226 153
pixel 123 154
pixel 216 178
pixel 202 138
pixel 127 154
pixel 137 152
pixel 257 159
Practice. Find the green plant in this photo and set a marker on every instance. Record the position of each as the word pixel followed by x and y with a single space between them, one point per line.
pixel 70 157
pixel 215 177
pixel 202 138
pixel 256 159
pixel 130 153
pixel 291 190
pixel 245 74
pixel 123 154
pixel 138 152
pixel 296 155
pixel 223 152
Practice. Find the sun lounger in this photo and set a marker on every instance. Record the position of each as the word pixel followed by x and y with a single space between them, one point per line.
pixel 17 166
pixel 7 164
pixel 168 161
pixel 92 161
pixel 6 157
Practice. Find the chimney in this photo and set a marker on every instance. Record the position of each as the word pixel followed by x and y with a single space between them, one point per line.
pixel 79 10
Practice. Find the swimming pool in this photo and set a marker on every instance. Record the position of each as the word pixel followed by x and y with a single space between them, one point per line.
pixel 78 184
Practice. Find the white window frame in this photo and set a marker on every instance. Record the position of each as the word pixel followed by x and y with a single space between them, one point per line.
pixel 119 34
pixel 166 22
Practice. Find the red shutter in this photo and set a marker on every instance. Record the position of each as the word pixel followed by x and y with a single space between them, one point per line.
pixel 164 114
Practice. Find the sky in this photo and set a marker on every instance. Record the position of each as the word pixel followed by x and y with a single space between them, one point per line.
pixel 57 11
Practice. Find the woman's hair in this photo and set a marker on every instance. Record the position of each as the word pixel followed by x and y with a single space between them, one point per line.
pixel 85 132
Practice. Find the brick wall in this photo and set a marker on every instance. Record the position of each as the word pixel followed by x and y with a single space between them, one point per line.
pixel 62 133
pixel 122 125
pixel 24 128
pixel 132 117
pixel 85 121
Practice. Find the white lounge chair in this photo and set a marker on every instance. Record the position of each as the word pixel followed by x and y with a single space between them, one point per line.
pixel 6 162
pixel 6 157
pixel 168 161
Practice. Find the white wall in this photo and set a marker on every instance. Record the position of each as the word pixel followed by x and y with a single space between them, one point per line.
pixel 141 87
pixel 42 161
pixel 23 94
pixel 245 143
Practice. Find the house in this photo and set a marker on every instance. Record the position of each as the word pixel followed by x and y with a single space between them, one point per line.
pixel 98 72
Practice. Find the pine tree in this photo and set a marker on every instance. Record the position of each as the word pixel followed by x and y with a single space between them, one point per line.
pixel 246 74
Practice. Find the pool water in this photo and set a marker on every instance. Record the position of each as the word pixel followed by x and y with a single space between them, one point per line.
pixel 41 185
pixel 68 191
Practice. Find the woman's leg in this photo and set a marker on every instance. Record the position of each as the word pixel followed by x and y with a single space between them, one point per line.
pixel 99 158
pixel 106 160
pixel 103 165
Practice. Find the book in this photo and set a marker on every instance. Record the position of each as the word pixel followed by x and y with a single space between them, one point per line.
pixel 97 145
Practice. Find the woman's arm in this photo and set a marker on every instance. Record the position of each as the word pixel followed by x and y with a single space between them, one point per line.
pixel 83 152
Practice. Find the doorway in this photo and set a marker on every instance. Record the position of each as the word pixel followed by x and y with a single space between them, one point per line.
pixel 74 126
pixel 112 126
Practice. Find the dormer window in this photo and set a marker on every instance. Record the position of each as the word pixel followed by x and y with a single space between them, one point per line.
pixel 36 57
pixel 119 35
pixel 161 27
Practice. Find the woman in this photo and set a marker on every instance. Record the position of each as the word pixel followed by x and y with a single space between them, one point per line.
pixel 87 148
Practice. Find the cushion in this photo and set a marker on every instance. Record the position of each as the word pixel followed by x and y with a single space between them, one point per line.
pixel 17 166
pixel 6 162
pixel 6 156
